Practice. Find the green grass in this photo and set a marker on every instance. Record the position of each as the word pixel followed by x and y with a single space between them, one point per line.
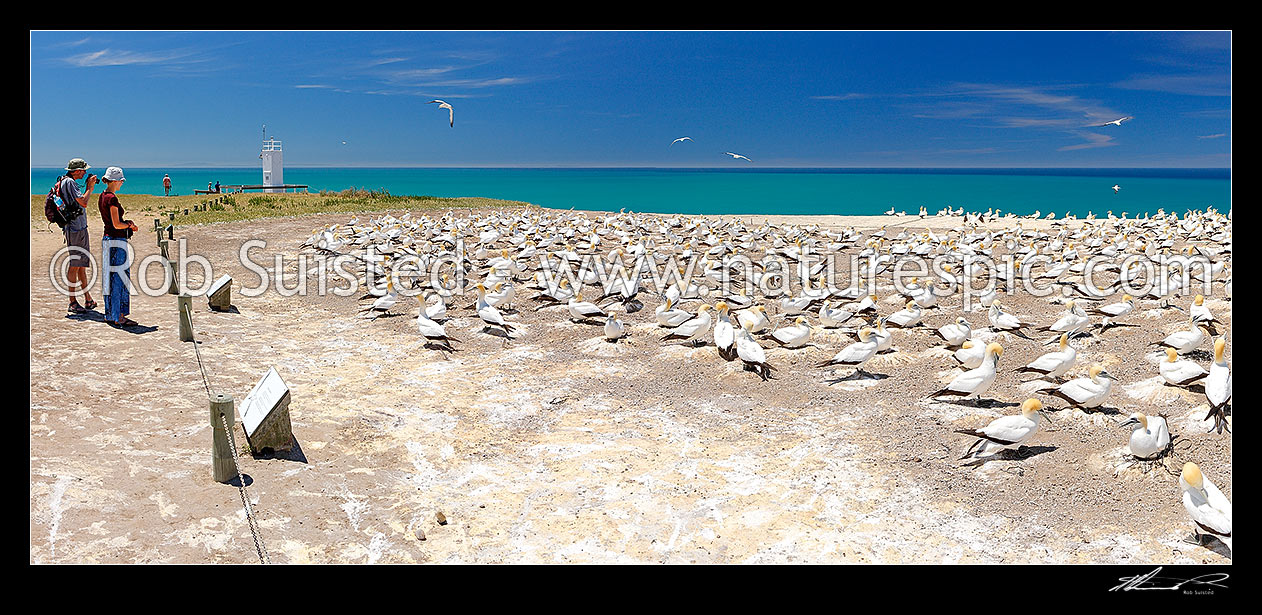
pixel 143 208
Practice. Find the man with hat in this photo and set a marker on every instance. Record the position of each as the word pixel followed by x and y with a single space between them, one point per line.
pixel 77 232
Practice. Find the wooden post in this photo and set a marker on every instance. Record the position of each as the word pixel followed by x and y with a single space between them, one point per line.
pixel 157 226
pixel 171 214
pixel 223 464
pixel 171 232
pixel 186 211
pixel 184 303
pixel 174 287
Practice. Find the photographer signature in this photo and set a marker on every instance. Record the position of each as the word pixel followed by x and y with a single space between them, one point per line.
pixel 1143 581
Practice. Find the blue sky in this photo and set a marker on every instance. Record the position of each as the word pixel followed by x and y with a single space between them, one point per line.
pixel 574 98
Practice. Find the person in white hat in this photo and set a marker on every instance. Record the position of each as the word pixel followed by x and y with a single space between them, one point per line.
pixel 116 284
pixel 76 231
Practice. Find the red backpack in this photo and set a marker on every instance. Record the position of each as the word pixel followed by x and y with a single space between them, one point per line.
pixel 58 212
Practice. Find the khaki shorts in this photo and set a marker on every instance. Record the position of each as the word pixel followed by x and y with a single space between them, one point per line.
pixel 78 239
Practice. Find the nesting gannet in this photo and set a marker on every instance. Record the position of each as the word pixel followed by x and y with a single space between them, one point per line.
pixel 1007 432
pixel 907 317
pixel 794 336
pixel 751 354
pixel 693 329
pixel 971 353
pixel 1208 507
pixel 1114 311
pixel 583 310
pixel 613 328
pixel 855 354
pixel 956 333
pixel 974 382
pixel 1149 435
pixel 1087 392
pixel 670 316
pixel 724 333
pixel 1218 386
pixel 1003 321
pixel 884 339
pixel 1180 373
pixel 833 317
pixel 1055 363
pixel 1186 340
pixel 755 317
pixel 1073 319
pixel 1200 313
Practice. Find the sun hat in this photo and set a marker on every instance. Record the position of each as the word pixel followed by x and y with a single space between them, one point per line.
pixel 76 164
pixel 113 174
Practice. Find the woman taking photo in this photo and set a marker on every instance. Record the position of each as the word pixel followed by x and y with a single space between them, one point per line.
pixel 117 230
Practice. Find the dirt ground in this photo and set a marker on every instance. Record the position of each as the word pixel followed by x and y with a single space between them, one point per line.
pixel 561 447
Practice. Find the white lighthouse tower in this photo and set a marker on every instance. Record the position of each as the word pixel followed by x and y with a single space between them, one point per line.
pixel 273 165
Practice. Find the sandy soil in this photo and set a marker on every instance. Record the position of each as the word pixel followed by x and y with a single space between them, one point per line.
pixel 561 447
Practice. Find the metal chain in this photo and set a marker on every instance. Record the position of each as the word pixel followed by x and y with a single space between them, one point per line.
pixel 251 521
pixel 245 500
pixel 205 380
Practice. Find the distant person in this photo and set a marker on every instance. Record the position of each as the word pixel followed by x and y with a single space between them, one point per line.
pixel 76 233
pixel 166 184
pixel 216 187
pixel 208 187
pixel 117 285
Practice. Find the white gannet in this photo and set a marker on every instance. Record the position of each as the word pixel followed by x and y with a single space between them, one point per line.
pixel 681 139
pixel 755 317
pixel 1117 122
pixel 693 329
pixel 670 316
pixel 1113 311
pixel 451 113
pixel 1186 340
pixel 1116 187
pixel 1003 321
pixel 907 317
pixel 1180 373
pixel 435 334
pixel 489 314
pixel 884 338
pixel 383 304
pixel 971 353
pixel 1150 436
pixel 583 310
pixel 737 156
pixel 724 333
pixel 1054 364
pixel 957 332
pixel 1200 313
pixel 1218 385
pixel 1006 432
pixel 751 354
pixel 1072 319
pixel 794 336
pixel 1208 507
pixel 1087 392
pixel 613 329
pixel 833 317
pixel 855 354
pixel 974 382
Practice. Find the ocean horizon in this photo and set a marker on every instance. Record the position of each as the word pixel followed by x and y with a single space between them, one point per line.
pixel 737 191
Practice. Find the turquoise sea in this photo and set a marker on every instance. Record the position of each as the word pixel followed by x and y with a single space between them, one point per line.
pixel 748 191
